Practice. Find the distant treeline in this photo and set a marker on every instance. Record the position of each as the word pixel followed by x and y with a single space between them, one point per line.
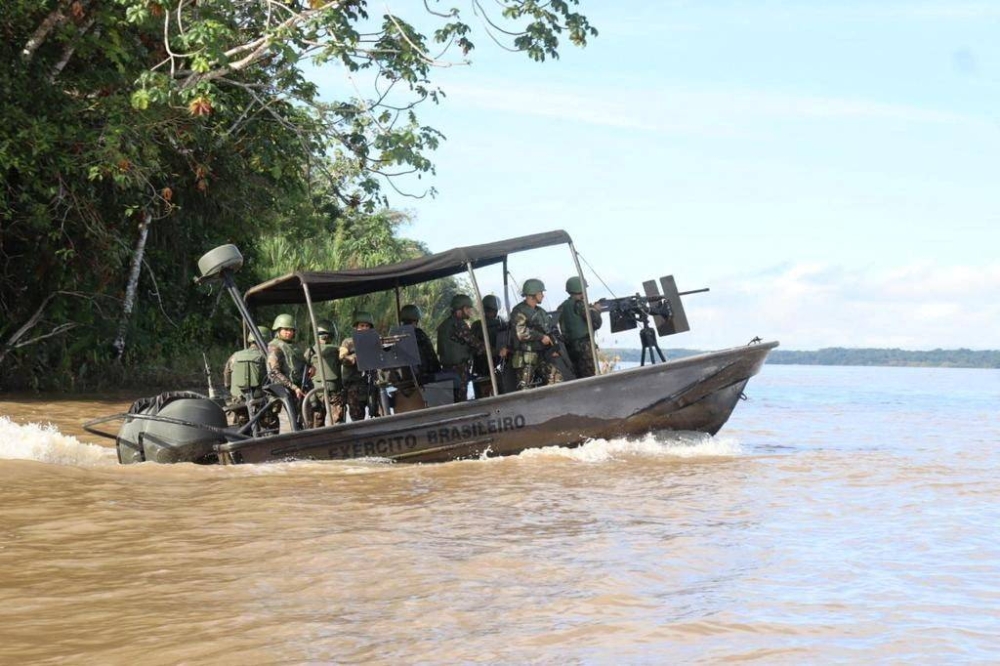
pixel 943 358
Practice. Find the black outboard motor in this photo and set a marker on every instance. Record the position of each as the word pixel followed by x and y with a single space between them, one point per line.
pixel 170 428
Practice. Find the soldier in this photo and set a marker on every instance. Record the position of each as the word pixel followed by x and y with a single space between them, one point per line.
pixel 456 344
pixel 429 363
pixel 497 330
pixel 325 361
pixel 573 324
pixel 356 385
pixel 244 375
pixel 286 364
pixel 534 349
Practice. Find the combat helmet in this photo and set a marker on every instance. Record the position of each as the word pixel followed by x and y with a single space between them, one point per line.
pixel 573 285
pixel 363 316
pixel 265 333
pixel 532 286
pixel 491 302
pixel 459 301
pixel 324 326
pixel 283 321
pixel 410 313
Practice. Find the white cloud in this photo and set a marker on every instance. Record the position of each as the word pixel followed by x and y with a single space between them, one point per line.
pixel 685 110
pixel 811 306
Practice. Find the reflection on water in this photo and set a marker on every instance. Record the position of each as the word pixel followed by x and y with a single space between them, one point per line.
pixel 826 523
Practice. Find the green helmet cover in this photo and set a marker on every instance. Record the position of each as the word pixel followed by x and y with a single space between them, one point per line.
pixel 491 302
pixel 410 313
pixel 324 326
pixel 573 285
pixel 532 287
pixel 283 321
pixel 362 316
pixel 265 333
pixel 459 301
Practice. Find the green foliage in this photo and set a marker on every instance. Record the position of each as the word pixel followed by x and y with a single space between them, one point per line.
pixel 356 241
pixel 198 118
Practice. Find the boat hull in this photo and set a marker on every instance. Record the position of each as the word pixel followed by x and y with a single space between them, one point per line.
pixel 696 393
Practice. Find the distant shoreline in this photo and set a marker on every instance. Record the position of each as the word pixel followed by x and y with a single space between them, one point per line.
pixel 937 358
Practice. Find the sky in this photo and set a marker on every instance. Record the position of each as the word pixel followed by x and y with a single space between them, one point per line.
pixel 828 170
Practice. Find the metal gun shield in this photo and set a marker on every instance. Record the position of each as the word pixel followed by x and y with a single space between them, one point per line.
pixel 677 323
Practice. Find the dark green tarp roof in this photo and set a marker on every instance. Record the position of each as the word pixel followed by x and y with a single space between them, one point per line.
pixel 333 285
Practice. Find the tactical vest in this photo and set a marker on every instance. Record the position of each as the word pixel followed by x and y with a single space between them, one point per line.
pixel 450 351
pixel 327 363
pixel 295 360
pixel 249 368
pixel 571 321
pixel 350 373
pixel 538 321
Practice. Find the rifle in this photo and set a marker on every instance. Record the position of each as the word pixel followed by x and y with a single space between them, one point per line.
pixel 556 353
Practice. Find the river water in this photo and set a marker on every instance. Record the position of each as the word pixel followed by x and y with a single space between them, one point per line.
pixel 843 515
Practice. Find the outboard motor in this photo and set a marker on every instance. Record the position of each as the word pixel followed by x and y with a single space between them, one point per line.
pixel 170 428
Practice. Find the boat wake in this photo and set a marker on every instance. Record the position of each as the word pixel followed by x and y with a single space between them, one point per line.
pixel 44 443
pixel 661 445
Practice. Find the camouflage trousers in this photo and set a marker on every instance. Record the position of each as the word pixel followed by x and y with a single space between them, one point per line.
pixel 337 412
pixel 581 357
pixel 462 388
pixel 240 416
pixel 545 372
pixel 356 397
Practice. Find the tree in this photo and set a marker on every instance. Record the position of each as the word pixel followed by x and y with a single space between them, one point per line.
pixel 140 132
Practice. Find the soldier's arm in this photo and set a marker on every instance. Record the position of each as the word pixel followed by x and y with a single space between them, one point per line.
pixel 347 351
pixel 463 334
pixel 595 318
pixel 274 362
pixel 523 329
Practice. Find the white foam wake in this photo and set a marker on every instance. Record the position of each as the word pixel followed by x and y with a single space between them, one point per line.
pixel 663 445
pixel 44 443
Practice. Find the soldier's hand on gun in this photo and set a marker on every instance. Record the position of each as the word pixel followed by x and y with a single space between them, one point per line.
pixel 299 393
pixel 546 340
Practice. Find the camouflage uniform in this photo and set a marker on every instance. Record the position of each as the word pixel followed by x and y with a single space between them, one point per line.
pixel 456 347
pixel 356 387
pixel 530 325
pixel 497 330
pixel 573 325
pixel 285 366
pixel 244 374
pixel 329 357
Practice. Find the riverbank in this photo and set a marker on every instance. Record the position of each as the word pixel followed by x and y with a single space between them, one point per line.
pixel 937 358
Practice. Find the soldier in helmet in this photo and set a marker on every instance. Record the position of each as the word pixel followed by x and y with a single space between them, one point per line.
pixel 429 363
pixel 572 316
pixel 497 330
pixel 356 385
pixel 244 375
pixel 286 364
pixel 456 345
pixel 325 362
pixel 533 346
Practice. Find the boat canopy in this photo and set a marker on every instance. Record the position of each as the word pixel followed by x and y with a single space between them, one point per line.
pixel 333 285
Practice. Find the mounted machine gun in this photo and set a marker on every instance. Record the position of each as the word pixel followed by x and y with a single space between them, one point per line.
pixel 666 310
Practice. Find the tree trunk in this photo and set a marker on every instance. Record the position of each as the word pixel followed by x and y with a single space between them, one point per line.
pixel 133 284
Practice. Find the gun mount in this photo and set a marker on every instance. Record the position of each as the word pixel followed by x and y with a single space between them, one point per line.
pixel 665 309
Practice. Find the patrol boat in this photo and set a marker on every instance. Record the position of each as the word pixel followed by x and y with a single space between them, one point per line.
pixel 422 423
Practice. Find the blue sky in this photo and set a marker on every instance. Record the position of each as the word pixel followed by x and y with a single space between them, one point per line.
pixel 829 170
